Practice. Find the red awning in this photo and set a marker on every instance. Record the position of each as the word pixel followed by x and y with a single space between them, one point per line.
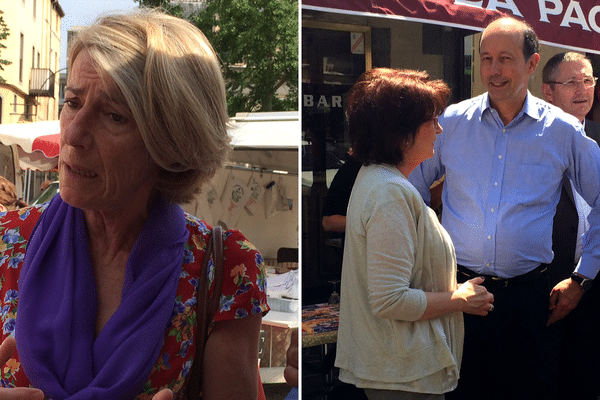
pixel 570 24
pixel 37 143
pixel 47 144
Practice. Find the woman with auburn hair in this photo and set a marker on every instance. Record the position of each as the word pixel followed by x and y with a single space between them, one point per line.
pixel 401 329
pixel 100 285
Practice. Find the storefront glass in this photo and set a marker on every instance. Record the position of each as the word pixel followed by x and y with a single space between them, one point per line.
pixel 333 57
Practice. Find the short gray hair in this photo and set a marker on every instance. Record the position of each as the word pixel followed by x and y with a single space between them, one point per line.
pixel 551 67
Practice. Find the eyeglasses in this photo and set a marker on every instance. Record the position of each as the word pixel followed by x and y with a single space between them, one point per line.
pixel 588 82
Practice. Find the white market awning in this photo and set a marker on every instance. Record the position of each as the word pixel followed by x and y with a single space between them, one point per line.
pixel 267 130
pixel 268 140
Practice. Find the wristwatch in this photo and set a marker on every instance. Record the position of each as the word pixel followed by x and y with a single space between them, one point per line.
pixel 584 282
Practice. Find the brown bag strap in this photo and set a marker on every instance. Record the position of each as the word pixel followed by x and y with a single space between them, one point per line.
pixel 206 309
pixel 217 242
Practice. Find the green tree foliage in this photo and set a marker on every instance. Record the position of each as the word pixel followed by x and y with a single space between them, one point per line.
pixel 166 5
pixel 257 42
pixel 3 35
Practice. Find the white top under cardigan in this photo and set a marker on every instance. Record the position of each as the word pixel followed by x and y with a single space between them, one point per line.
pixel 395 250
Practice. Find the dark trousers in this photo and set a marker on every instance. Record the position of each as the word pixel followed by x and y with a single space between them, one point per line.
pixel 511 353
pixel 579 372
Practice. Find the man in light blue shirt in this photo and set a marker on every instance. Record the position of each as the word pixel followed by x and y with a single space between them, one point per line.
pixel 504 155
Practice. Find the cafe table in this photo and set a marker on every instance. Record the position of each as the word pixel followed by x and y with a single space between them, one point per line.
pixel 320 324
pixel 319 333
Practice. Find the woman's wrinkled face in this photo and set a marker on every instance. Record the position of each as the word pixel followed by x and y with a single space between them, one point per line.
pixel 103 164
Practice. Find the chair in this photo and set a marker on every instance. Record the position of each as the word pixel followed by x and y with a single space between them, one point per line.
pixel 287 254
pixel 287 259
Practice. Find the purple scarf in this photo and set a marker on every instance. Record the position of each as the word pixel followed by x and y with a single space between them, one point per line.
pixel 57 309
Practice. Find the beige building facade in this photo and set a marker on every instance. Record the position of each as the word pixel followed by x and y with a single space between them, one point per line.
pixel 30 92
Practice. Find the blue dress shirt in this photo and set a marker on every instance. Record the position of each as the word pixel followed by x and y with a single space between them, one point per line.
pixel 503 183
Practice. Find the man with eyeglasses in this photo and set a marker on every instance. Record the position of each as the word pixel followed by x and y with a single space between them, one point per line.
pixel 504 154
pixel 568 83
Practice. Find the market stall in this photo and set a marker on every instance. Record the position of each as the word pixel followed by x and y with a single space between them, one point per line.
pixel 257 191
pixel 28 155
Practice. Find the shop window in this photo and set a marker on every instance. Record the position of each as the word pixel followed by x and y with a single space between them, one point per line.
pixel 333 57
pixel 432 43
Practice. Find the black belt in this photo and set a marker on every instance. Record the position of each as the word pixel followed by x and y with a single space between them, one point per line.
pixel 497 282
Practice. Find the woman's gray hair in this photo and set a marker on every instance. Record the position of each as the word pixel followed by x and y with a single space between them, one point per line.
pixel 170 78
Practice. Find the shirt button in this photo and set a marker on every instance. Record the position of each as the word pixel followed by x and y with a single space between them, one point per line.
pixel 500 157
pixel 489 237
pixel 487 265
pixel 503 130
pixel 495 183
pixel 492 209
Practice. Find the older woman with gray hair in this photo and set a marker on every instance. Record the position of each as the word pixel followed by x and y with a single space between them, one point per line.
pixel 99 286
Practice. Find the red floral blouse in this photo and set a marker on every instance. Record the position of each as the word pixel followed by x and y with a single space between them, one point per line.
pixel 243 293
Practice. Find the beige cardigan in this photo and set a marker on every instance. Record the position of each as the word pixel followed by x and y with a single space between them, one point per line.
pixel 395 251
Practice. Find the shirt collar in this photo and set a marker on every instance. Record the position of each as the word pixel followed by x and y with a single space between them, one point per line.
pixel 530 107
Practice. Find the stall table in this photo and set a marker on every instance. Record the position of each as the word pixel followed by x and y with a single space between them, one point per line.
pixel 277 327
